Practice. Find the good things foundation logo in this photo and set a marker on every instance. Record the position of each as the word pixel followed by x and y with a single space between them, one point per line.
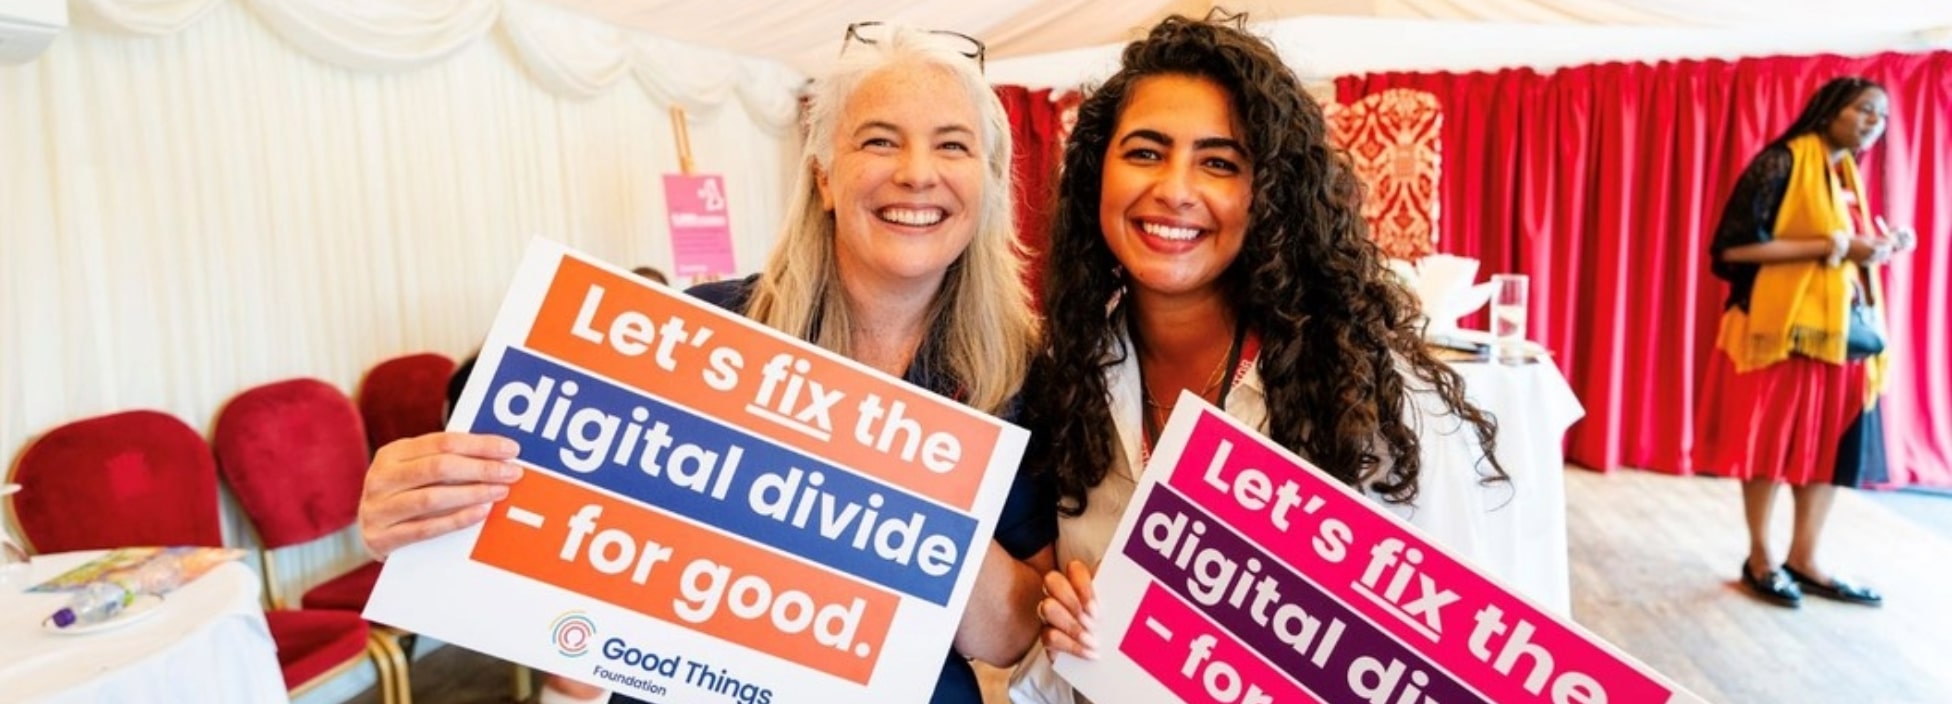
pixel 573 632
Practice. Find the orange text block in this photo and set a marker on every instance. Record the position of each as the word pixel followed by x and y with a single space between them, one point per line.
pixel 565 534
pixel 743 374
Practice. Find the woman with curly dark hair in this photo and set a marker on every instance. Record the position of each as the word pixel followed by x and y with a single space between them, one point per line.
pixel 1209 239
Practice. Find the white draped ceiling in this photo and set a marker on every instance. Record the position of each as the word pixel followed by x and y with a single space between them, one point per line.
pixel 571 53
pixel 807 34
pixel 701 54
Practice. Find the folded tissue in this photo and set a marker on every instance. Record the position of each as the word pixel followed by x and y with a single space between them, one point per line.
pixel 1442 284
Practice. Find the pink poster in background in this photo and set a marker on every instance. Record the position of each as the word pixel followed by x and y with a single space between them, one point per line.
pixel 701 225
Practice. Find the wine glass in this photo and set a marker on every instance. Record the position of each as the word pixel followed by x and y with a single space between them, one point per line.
pixel 1508 306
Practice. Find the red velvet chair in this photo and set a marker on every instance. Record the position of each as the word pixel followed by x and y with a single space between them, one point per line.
pixel 294 454
pixel 146 478
pixel 126 466
pixel 404 396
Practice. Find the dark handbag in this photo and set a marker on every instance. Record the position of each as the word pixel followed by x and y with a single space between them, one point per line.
pixel 1863 339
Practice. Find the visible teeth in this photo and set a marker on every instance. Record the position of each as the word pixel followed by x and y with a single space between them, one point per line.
pixel 1168 232
pixel 913 218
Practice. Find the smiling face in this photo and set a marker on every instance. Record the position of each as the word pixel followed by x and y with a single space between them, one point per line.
pixel 1177 186
pixel 1859 124
pixel 906 178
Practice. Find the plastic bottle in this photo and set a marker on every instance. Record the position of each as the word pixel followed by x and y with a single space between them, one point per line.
pixel 96 603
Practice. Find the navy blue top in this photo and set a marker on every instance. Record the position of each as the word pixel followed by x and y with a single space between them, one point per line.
pixel 1029 519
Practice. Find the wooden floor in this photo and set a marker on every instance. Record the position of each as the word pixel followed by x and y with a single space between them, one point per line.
pixel 1653 571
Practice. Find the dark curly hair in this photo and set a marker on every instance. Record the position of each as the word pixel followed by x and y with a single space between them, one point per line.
pixel 1824 106
pixel 1338 332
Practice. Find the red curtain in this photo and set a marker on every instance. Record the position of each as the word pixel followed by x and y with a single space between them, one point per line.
pixel 1034 132
pixel 1604 183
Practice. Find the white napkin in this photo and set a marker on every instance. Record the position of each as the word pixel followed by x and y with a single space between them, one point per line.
pixel 1444 288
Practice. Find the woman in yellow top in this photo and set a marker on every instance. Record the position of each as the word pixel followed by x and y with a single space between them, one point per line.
pixel 1791 394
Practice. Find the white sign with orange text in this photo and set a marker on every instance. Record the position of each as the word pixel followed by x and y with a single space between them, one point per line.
pixel 712 511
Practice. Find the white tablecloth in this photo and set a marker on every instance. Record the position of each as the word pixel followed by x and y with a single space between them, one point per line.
pixel 207 643
pixel 1526 545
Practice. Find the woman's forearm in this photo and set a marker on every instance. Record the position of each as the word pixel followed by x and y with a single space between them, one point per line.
pixel 1001 621
pixel 1777 251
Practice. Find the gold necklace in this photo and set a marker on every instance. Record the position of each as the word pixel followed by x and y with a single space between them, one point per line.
pixel 1160 411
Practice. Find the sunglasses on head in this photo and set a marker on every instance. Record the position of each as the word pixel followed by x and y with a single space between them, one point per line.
pixel 871 33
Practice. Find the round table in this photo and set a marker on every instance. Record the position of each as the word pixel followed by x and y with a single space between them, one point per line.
pixel 207 642
pixel 1524 542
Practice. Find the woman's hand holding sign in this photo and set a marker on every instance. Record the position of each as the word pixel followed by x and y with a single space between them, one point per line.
pixel 1067 612
pixel 432 485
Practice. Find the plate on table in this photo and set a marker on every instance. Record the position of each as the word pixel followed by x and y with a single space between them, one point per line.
pixel 1480 344
pixel 144 606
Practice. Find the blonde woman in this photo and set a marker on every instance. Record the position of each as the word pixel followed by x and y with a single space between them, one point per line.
pixel 898 254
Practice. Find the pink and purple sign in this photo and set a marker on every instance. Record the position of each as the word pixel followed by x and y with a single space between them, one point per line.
pixel 1243 574
pixel 701 225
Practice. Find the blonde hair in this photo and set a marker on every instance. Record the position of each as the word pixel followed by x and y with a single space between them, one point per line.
pixel 980 325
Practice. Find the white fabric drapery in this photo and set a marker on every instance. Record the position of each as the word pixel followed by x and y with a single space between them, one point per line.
pixel 807 35
pixel 574 56
pixel 379 36
pixel 571 54
pixel 186 215
pixel 150 17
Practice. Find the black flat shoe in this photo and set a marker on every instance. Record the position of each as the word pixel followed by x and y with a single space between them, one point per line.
pixel 1836 589
pixel 1776 588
